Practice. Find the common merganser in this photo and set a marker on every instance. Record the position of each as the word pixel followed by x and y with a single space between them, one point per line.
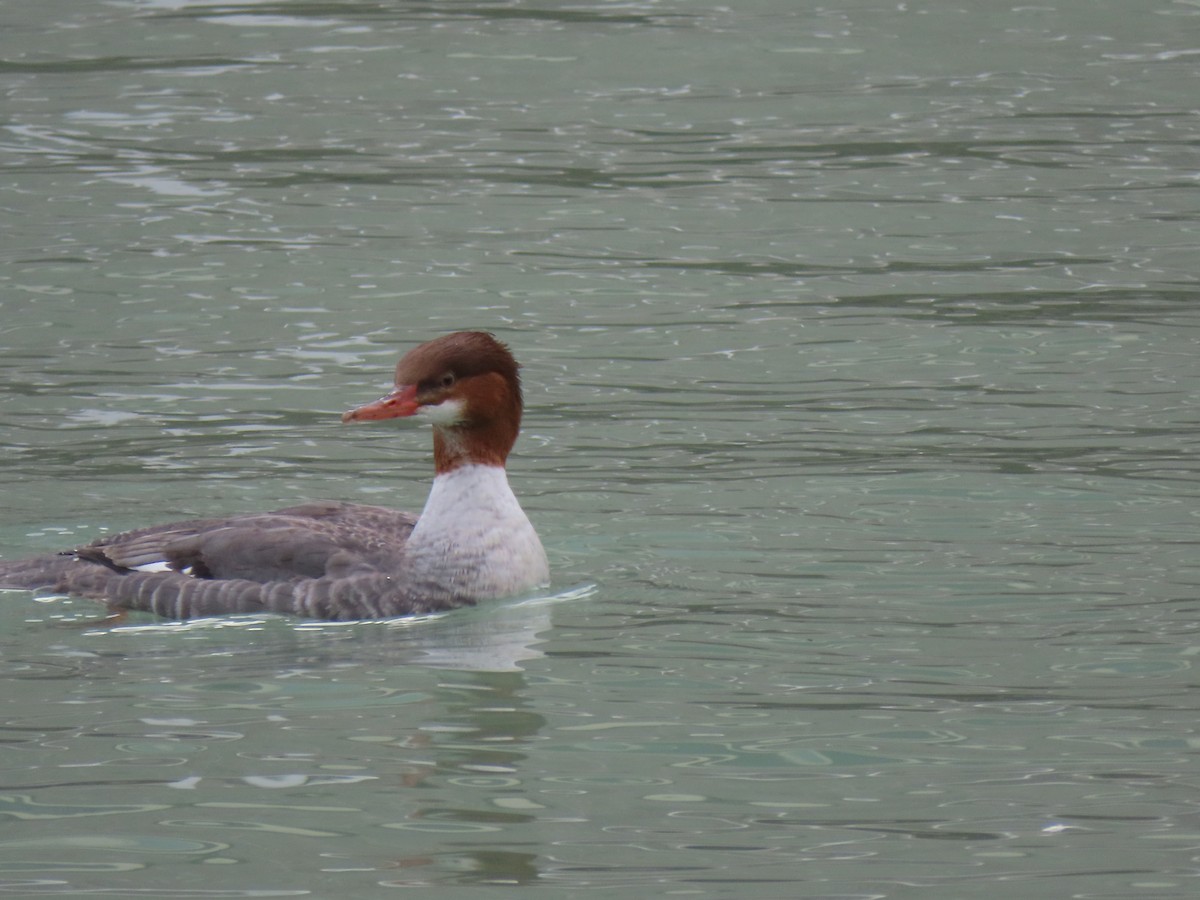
pixel 331 560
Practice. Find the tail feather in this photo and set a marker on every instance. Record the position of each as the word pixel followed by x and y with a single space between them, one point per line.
pixel 38 573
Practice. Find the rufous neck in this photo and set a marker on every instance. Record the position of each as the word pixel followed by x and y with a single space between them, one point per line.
pixel 457 447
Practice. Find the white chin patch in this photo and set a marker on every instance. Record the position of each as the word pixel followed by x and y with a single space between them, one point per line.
pixel 445 414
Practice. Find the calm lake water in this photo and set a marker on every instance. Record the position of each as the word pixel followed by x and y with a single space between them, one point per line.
pixel 861 345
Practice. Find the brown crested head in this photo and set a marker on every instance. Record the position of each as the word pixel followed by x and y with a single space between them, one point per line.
pixel 466 384
pixel 438 365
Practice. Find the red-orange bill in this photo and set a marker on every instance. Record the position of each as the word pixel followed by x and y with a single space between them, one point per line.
pixel 400 402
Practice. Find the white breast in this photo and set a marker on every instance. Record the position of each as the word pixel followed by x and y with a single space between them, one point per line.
pixel 474 536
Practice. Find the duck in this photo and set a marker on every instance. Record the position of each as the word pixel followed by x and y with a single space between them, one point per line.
pixel 344 561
